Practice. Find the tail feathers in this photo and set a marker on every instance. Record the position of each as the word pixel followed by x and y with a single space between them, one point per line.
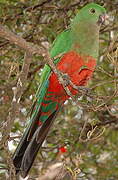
pixel 22 146
pixel 29 156
pixel 34 145
pixel 18 155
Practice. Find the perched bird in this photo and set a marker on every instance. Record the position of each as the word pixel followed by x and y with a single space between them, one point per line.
pixel 79 45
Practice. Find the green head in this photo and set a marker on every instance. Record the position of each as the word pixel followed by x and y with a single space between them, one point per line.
pixel 85 29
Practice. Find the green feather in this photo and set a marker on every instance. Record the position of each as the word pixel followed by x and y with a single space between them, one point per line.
pixel 50 107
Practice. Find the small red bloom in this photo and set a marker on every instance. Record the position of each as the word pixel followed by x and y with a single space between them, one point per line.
pixel 63 149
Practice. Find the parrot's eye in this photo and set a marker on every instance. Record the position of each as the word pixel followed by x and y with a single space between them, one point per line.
pixel 92 11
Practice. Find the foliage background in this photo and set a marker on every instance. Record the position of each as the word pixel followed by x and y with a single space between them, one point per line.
pixel 94 156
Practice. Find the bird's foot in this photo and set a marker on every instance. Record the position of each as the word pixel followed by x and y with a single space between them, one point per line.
pixel 64 78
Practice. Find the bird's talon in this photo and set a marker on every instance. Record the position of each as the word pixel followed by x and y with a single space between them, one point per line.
pixel 65 78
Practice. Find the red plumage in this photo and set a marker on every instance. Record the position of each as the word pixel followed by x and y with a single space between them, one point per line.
pixel 78 68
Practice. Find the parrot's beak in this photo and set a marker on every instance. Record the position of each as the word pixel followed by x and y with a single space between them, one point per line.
pixel 102 19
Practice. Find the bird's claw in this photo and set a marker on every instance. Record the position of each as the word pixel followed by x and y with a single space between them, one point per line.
pixel 65 78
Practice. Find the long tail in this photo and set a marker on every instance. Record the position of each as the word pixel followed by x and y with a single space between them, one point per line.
pixel 27 150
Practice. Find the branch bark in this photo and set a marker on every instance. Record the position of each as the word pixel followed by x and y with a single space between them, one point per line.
pixel 20 42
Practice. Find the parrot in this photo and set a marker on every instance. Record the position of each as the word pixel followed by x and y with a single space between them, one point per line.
pixel 79 49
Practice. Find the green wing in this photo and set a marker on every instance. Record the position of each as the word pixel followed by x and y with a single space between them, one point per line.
pixel 61 45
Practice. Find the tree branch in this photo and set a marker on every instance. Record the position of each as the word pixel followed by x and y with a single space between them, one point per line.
pixel 20 42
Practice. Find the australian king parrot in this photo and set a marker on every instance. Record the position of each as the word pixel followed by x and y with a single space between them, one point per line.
pixel 79 46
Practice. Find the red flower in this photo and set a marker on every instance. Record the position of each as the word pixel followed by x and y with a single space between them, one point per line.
pixel 63 149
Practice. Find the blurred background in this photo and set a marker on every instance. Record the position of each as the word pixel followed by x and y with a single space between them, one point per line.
pixel 83 142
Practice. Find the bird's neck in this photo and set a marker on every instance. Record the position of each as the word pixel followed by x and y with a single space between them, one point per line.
pixel 86 39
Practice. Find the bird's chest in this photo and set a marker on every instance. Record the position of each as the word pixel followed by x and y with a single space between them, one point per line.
pixel 77 70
